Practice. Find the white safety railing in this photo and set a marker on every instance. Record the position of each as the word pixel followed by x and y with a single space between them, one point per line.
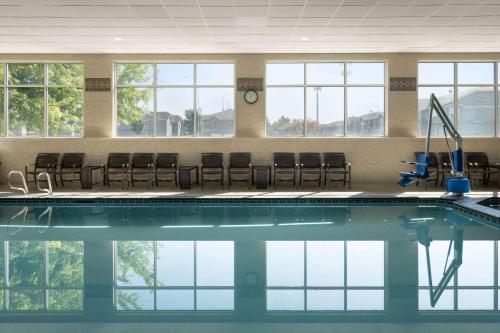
pixel 47 190
pixel 23 189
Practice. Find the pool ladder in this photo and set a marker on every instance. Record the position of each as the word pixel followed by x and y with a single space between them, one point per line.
pixel 25 189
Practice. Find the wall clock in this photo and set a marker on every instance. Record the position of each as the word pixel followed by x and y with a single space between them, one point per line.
pixel 251 96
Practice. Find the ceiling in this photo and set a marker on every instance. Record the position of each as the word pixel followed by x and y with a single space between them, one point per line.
pixel 248 26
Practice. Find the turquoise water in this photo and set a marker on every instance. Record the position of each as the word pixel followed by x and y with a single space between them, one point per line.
pixel 279 262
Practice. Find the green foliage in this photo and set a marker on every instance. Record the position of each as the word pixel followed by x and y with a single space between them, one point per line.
pixel 26 107
pixel 26 300
pixel 25 74
pixel 65 264
pixel 66 75
pixel 1 111
pixel 26 261
pixel 65 111
pixel 65 300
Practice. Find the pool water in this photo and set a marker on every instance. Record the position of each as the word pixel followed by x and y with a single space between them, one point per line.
pixel 246 262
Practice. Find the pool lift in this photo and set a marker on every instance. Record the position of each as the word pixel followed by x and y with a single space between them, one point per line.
pixel 457 183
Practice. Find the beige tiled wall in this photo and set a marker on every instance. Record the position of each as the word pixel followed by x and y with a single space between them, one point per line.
pixel 375 160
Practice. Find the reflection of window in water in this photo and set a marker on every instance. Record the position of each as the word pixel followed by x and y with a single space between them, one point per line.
pixel 41 276
pixel 174 275
pixel 474 285
pixel 325 275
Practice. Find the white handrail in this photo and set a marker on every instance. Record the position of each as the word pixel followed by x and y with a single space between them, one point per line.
pixel 23 189
pixel 49 184
pixel 47 212
pixel 24 213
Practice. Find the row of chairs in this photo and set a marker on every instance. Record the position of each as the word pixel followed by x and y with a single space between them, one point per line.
pixel 163 167
pixel 477 167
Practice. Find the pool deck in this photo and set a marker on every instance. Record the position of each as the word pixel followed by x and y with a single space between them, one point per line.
pixel 366 191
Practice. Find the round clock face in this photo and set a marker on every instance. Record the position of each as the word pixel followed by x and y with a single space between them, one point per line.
pixel 251 96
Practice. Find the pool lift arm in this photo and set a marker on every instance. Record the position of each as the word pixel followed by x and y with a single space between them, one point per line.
pixel 457 183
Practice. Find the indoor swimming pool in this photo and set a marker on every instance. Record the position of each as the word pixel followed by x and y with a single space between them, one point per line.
pixel 236 261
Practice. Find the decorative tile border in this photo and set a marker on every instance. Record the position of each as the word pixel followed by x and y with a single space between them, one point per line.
pixel 403 83
pixel 250 83
pixel 98 84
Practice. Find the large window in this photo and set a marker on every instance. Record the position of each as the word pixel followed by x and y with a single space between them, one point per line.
pixel 325 99
pixel 466 90
pixel 174 100
pixel 174 275
pixel 41 276
pixel 42 99
pixel 300 277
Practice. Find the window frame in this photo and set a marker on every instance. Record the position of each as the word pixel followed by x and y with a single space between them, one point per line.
pixel 345 85
pixel 155 86
pixel 46 88
pixel 495 85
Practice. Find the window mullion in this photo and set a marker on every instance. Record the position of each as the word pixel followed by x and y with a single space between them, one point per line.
pixel 46 100
pixel 345 99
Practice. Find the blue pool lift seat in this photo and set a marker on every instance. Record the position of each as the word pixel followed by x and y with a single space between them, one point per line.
pixel 421 171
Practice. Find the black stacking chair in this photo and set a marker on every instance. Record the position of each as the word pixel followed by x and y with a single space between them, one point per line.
pixel 285 169
pixel 444 166
pixel 117 165
pixel 141 169
pixel 212 168
pixel 44 162
pixel 336 169
pixel 479 167
pixel 310 168
pixel 166 168
pixel 71 164
pixel 433 168
pixel 240 168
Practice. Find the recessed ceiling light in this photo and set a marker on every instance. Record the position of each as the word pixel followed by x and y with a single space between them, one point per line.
pixel 305 38
pixel 118 39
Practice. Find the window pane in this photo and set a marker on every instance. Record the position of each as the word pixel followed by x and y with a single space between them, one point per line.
pixel 134 300
pixel 477 267
pixel 325 271
pixel 365 111
pixel 322 300
pixel 215 263
pixel 216 111
pixel 445 301
pixel 437 254
pixel 175 112
pixel 135 112
pixel 285 263
pixel 175 263
pixel 436 73
pixel 285 300
pixel 2 267
pixel 26 300
pixel 25 74
pixel 175 74
pixel 325 73
pixel 475 73
pixel 445 95
pixel 365 73
pixel 65 264
pixel 285 74
pixel 26 263
pixel 215 299
pixel 65 300
pixel 365 300
pixel 364 257
pixel 285 111
pixel 134 263
pixel 26 107
pixel 215 74
pixel 470 299
pixel 134 74
pixel 65 75
pixel 325 111
pixel 476 111
pixel 65 112
pixel 175 299
pixel 2 73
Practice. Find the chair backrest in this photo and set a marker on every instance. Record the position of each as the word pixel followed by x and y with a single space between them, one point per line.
pixel 142 160
pixel 334 160
pixel 479 158
pixel 444 157
pixel 44 160
pixel 166 160
pixel 72 160
pixel 240 160
pixel 284 160
pixel 432 156
pixel 310 160
pixel 211 160
pixel 116 160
